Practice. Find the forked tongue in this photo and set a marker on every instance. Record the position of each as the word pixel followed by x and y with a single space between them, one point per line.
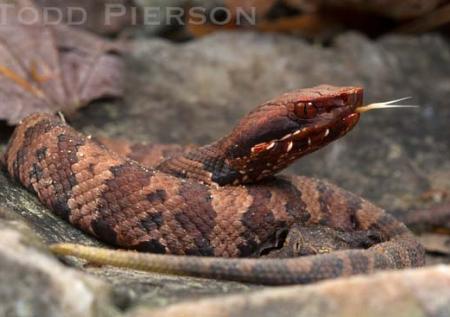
pixel 385 105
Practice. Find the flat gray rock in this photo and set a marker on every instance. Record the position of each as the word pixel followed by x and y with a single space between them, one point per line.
pixel 34 283
pixel 407 293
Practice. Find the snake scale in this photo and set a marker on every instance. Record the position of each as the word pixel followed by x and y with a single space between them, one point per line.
pixel 210 211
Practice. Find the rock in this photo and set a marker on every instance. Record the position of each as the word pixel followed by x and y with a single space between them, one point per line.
pixel 34 283
pixel 136 288
pixel 21 206
pixel 423 292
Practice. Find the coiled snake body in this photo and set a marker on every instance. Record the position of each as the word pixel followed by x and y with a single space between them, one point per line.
pixel 217 202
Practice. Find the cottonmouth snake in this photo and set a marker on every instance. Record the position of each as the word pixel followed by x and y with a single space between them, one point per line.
pixel 217 202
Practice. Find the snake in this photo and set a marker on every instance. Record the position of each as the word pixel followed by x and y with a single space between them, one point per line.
pixel 219 210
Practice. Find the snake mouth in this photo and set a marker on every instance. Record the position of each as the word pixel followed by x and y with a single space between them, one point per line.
pixel 330 124
pixel 351 120
pixel 277 154
pixel 305 140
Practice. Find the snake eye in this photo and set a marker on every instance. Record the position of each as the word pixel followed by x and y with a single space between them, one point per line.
pixel 305 110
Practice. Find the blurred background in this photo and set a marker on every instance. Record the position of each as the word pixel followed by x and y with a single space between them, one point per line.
pixel 318 20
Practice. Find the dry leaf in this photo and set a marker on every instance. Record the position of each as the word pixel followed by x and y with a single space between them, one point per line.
pixel 436 243
pixel 397 9
pixel 428 22
pixel 260 7
pixel 436 217
pixel 49 68
pixel 306 25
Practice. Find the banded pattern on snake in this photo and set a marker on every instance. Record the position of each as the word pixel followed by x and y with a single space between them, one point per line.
pixel 204 209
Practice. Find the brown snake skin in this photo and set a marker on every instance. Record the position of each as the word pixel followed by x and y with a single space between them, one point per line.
pixel 216 202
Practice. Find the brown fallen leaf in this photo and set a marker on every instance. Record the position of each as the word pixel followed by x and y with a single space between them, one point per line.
pixel 434 218
pixel 306 25
pixel 259 7
pixel 199 30
pixel 49 68
pixel 396 9
pixel 428 22
pixel 436 243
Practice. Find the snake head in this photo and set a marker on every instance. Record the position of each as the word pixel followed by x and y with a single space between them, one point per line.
pixel 296 123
